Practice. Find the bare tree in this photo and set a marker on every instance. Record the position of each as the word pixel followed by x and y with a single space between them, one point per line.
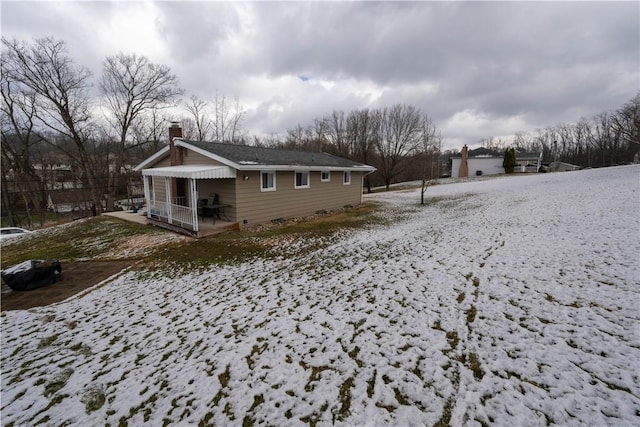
pixel 227 121
pixel 148 132
pixel 363 127
pixel 493 144
pixel 236 132
pixel 626 121
pixel 388 138
pixel 603 134
pixel 133 85
pixel 300 138
pixel 400 135
pixel 582 137
pixel 430 146
pixel 334 129
pixel 198 110
pixel 61 99
pixel 18 172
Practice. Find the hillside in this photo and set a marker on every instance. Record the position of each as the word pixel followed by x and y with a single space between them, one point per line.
pixel 510 301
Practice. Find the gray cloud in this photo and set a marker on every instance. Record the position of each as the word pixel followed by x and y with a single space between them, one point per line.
pixel 529 65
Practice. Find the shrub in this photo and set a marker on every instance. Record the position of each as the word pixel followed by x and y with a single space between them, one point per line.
pixel 509 162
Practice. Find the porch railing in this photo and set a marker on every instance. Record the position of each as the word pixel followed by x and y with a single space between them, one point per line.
pixel 171 213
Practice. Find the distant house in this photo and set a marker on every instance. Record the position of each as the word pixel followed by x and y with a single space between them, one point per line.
pixel 74 200
pixel 57 177
pixel 562 167
pixel 483 161
pixel 243 185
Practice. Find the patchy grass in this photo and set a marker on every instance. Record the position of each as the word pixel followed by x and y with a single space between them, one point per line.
pixel 356 217
pixel 225 377
pixel 85 239
pixel 47 341
pixel 445 419
pixel 452 338
pixel 371 384
pixel 93 399
pixel 57 382
pixel 474 365
pixel 471 314
pixel 345 400
pixel 97 237
pixel 265 243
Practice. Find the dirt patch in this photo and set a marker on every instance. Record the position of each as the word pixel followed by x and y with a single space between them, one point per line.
pixel 142 245
pixel 76 277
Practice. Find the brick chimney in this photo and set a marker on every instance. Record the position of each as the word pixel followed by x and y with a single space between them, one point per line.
pixel 175 131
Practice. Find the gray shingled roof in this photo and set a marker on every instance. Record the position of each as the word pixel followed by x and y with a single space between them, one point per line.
pixel 248 155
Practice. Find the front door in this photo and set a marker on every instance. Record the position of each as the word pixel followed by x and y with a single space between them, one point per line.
pixel 181 191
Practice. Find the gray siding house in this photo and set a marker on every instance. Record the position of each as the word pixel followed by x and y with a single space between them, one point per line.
pixel 251 185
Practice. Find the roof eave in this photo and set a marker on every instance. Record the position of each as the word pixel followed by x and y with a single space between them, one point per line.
pixel 306 168
pixel 153 159
pixel 192 172
pixel 209 154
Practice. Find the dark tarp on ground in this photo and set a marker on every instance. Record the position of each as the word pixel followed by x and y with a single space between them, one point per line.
pixel 32 274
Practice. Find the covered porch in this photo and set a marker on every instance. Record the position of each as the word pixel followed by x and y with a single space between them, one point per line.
pixel 172 198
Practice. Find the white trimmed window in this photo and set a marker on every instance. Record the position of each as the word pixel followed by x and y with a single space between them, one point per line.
pixel 325 176
pixel 267 181
pixel 301 180
pixel 346 177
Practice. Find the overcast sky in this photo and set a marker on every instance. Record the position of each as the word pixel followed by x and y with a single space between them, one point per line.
pixel 478 69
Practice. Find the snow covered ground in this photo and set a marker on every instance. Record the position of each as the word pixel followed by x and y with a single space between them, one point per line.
pixel 511 301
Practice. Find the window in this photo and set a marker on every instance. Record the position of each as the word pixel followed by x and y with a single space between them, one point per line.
pixel 302 180
pixel 346 178
pixel 325 176
pixel 267 181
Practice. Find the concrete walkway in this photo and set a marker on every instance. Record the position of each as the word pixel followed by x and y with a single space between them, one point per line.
pixel 140 217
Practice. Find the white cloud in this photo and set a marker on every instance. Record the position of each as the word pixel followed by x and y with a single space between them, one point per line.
pixel 134 27
pixel 470 126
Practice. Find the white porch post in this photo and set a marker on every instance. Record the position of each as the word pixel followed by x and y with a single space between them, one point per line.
pixel 167 187
pixel 193 202
pixel 147 193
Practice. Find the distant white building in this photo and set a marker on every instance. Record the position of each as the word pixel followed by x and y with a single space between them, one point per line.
pixel 491 164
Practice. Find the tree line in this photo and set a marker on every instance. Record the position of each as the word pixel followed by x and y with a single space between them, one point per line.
pixel 55 112
pixel 400 141
pixel 606 139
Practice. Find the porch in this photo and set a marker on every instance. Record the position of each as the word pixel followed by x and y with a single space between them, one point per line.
pixel 172 196
pixel 186 219
pixel 206 227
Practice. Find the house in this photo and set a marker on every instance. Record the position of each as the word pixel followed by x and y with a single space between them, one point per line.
pixel 57 176
pixel 483 161
pixel 562 167
pixel 247 185
pixel 73 200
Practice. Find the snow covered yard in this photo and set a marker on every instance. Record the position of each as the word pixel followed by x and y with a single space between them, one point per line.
pixel 511 301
